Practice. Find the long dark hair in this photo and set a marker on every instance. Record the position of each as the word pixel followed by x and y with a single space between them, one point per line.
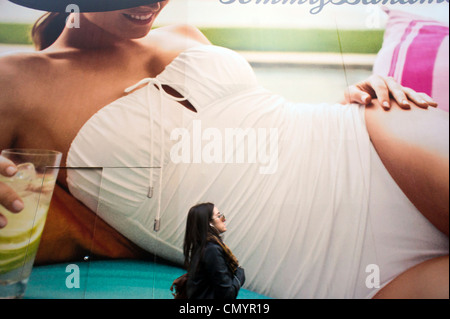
pixel 197 230
pixel 47 29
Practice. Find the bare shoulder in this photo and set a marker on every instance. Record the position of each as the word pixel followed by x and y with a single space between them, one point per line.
pixel 11 70
pixel 181 33
pixel 21 74
pixel 22 65
pixel 18 75
pixel 9 95
pixel 189 31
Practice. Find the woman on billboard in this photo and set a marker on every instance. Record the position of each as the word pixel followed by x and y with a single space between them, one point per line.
pixel 151 122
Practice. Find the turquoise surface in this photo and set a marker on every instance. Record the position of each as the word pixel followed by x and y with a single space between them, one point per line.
pixel 118 279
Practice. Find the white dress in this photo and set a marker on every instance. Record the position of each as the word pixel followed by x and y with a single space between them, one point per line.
pixel 311 211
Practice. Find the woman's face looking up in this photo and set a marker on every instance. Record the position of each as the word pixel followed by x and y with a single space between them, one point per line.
pixel 218 221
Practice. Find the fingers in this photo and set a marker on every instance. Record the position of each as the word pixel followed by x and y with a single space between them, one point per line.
pixel 8 197
pixel 404 95
pixel 385 89
pixel 10 200
pixel 429 100
pixel 7 168
pixel 354 94
pixel 3 221
pixel 382 90
pixel 422 100
pixel 398 92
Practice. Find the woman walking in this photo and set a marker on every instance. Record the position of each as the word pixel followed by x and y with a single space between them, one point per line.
pixel 213 270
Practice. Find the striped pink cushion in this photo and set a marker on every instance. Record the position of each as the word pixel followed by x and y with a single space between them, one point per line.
pixel 415 52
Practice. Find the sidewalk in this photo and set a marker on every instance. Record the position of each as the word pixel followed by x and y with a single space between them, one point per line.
pixel 359 61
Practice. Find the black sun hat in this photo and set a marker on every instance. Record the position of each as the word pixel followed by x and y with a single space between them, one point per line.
pixel 83 5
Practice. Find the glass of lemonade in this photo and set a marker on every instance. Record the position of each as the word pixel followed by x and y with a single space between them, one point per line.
pixel 19 239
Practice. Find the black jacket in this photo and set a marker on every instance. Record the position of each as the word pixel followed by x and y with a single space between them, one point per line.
pixel 213 278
